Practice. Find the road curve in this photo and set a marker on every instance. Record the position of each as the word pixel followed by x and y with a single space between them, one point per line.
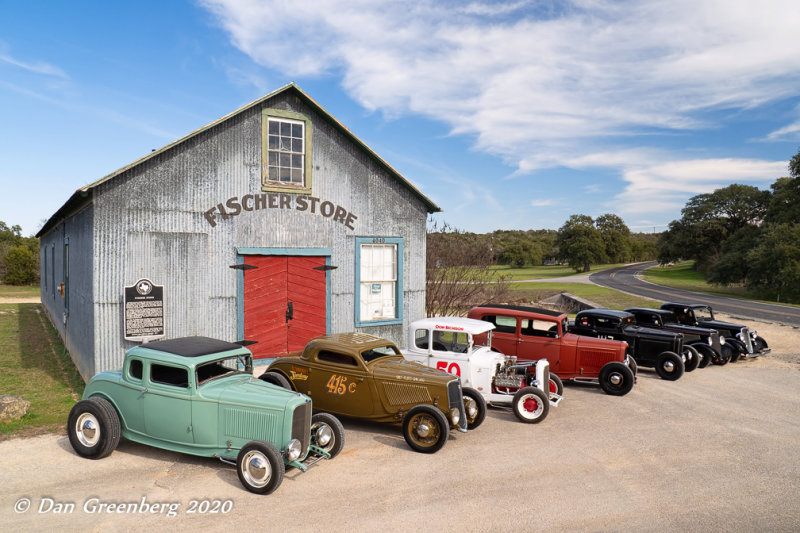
pixel 625 279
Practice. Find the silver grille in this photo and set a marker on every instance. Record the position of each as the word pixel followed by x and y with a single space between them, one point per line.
pixel 301 425
pixel 748 342
pixel 456 399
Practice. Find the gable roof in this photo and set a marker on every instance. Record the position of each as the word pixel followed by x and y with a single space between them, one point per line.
pixel 79 196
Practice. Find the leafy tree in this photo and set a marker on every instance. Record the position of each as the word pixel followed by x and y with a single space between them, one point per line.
pixel 10 263
pixel 784 206
pixel 21 266
pixel 794 165
pixel 733 265
pixel 579 243
pixel 775 263
pixel 616 237
pixel 708 219
pixel 517 248
pixel 644 246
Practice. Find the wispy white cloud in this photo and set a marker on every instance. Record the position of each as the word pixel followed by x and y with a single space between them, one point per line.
pixel 37 67
pixel 665 186
pixel 543 202
pixel 549 84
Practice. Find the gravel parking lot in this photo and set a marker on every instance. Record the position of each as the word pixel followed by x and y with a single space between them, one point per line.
pixel 714 451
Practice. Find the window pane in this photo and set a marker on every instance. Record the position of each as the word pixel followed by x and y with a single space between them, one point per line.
pixel 274 126
pixel 273 158
pixel 285 160
pixel 297 145
pixel 297 161
pixel 286 144
pixel 297 131
pixel 273 142
pixel 273 173
pixel 286 129
pixel 284 173
pixel 297 175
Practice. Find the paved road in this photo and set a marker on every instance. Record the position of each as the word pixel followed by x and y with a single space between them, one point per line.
pixel 624 279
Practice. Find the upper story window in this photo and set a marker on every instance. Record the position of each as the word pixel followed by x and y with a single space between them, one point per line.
pixel 286 152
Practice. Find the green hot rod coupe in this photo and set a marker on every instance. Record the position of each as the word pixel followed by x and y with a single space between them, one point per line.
pixel 198 396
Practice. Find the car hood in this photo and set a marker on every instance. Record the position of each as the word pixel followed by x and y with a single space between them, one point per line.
pixel 641 331
pixel 719 324
pixel 399 368
pixel 247 390
pixel 692 330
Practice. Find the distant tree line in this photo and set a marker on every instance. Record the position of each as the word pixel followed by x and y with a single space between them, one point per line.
pixel 19 256
pixel 742 235
pixel 580 243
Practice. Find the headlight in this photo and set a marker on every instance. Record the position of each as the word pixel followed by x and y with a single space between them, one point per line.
pixel 721 339
pixel 293 450
pixel 710 341
pixel 753 334
pixel 455 416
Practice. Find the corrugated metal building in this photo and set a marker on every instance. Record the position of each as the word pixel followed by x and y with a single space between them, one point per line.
pixel 274 224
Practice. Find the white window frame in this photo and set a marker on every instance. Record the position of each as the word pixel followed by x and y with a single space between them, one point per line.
pixel 378 288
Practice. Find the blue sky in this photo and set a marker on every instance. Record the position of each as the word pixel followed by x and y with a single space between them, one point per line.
pixel 509 115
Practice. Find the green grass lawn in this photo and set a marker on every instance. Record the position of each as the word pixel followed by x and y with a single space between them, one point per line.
pixel 600 295
pixel 35 366
pixel 683 276
pixel 14 291
pixel 544 271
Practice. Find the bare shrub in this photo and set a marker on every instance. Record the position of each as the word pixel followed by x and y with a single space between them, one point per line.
pixel 459 271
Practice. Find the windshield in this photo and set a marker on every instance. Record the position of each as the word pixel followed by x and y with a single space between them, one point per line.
pixel 703 313
pixel 237 364
pixel 381 351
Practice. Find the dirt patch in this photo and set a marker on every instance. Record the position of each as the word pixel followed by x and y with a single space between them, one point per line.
pixel 15 300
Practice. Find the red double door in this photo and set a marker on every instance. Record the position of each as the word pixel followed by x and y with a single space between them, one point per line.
pixel 285 301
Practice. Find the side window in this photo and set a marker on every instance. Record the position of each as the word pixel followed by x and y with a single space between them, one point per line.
pixel 336 358
pixel 584 322
pixel 421 338
pixel 505 324
pixel 135 369
pixel 169 375
pixel 539 328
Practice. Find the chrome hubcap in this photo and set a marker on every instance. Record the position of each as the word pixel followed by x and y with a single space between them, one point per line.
pixel 87 430
pixel 669 366
pixel 615 378
pixel 323 435
pixel 423 430
pixel 256 469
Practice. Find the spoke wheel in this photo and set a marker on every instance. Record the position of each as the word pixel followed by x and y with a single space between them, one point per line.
pixel 425 429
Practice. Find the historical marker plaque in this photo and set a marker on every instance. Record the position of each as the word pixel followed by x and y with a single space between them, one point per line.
pixel 144 311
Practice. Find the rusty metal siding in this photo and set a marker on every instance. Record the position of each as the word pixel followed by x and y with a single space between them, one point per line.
pixel 148 222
